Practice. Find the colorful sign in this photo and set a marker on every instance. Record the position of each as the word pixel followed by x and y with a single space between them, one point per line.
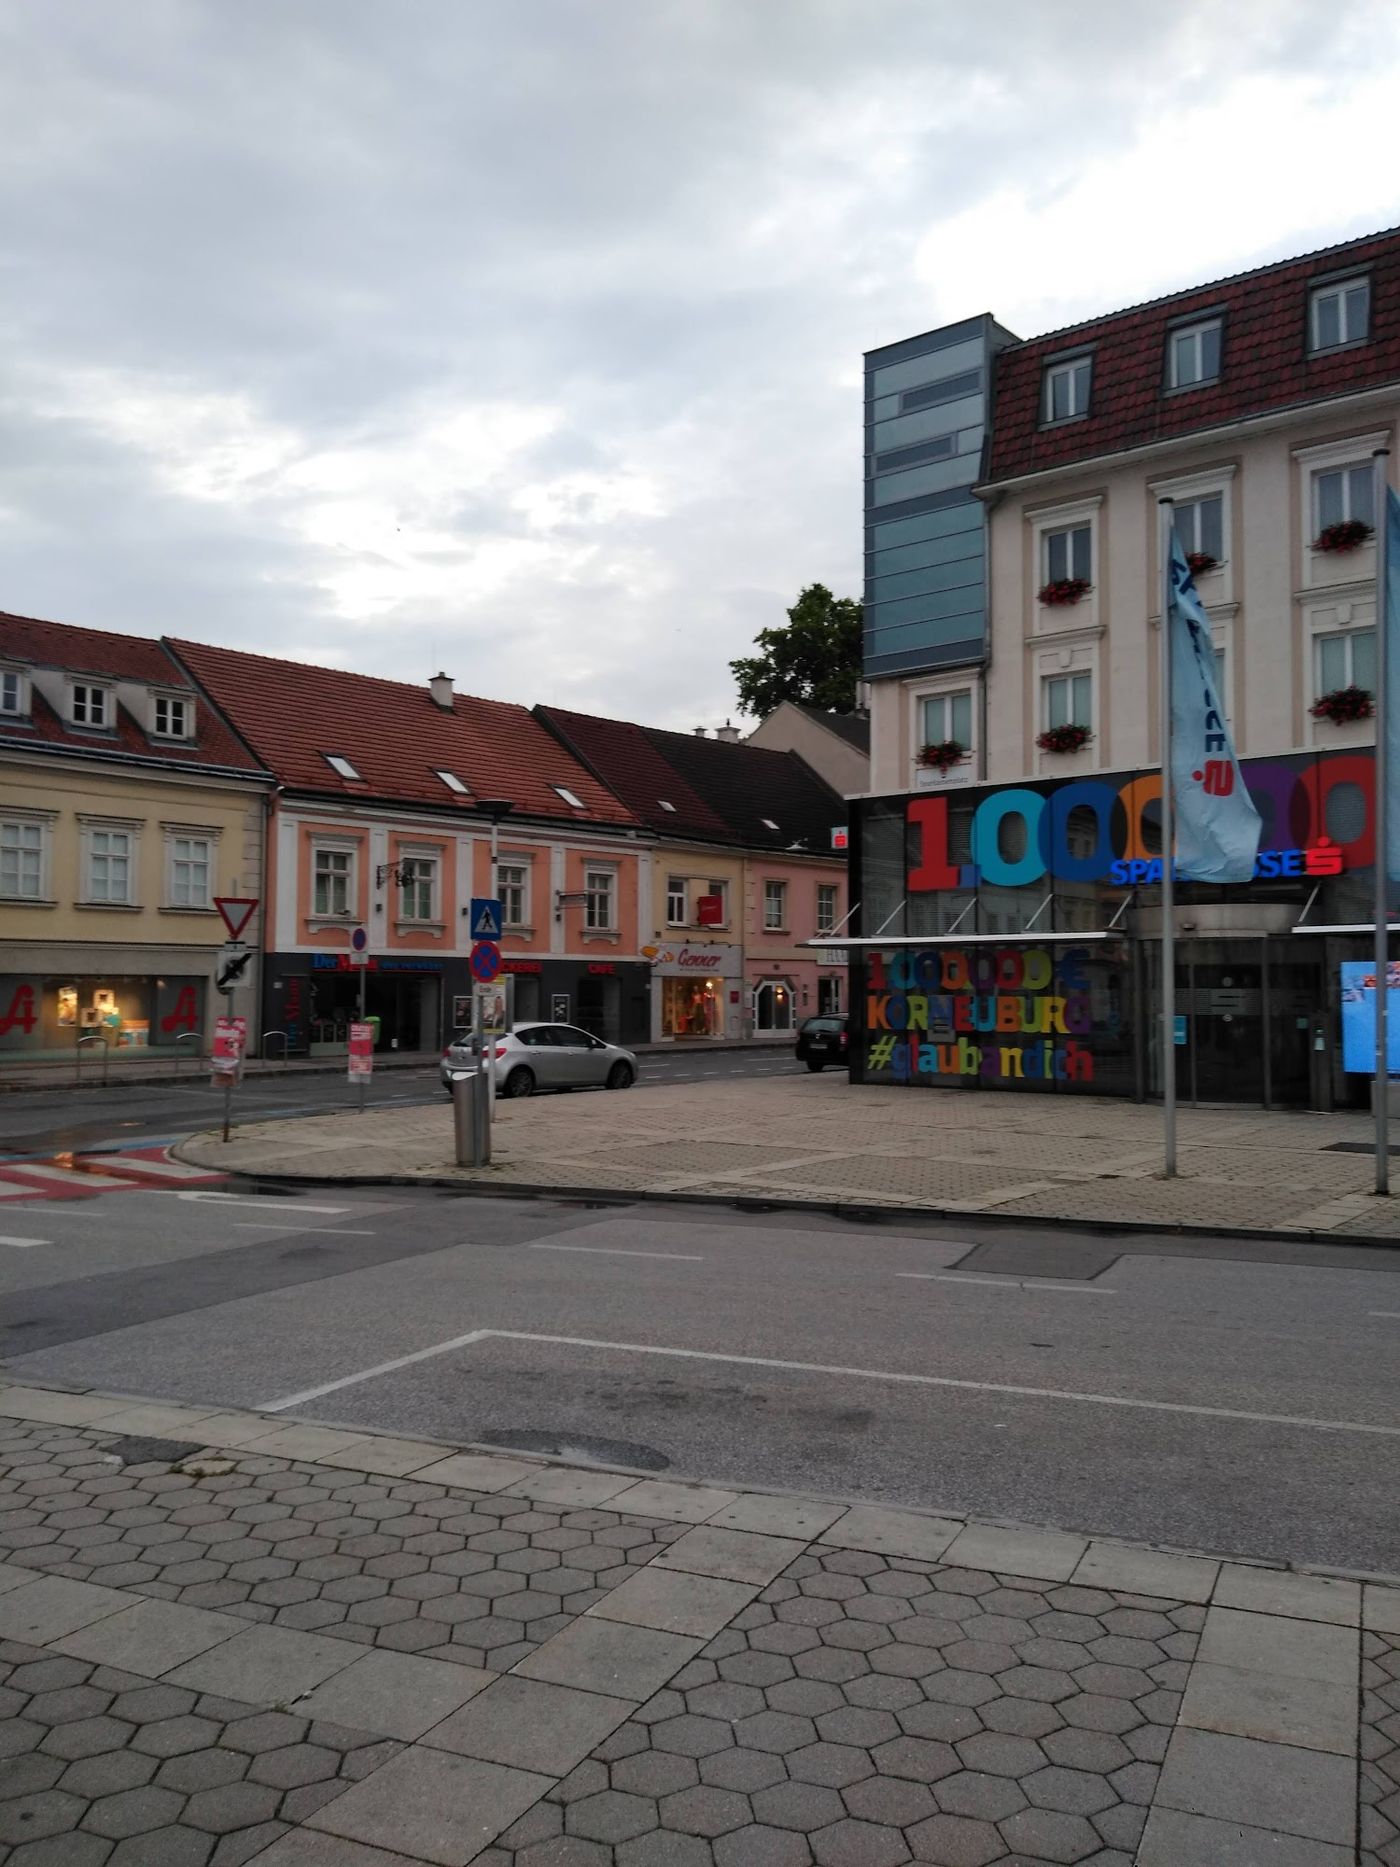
pixel 360 1055
pixel 1359 1018
pixel 675 960
pixel 230 1044
pixel 1097 829
pixel 485 961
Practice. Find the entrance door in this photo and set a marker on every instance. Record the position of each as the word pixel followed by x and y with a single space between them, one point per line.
pixel 1295 1002
pixel 1223 1058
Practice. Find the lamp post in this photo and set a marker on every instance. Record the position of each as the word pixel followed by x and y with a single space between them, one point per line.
pixel 497 809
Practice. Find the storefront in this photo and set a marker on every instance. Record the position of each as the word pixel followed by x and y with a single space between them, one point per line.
pixel 50 1013
pixel 1019 941
pixel 696 991
pixel 606 997
pixel 314 998
pixel 783 992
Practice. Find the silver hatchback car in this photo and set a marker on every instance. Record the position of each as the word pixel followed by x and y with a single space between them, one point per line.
pixel 536 1057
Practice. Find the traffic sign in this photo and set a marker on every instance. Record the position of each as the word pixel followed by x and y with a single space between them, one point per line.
pixel 359 941
pixel 485 961
pixel 237 911
pixel 231 968
pixel 486 917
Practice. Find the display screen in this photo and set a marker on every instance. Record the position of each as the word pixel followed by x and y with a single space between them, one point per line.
pixel 1359 1018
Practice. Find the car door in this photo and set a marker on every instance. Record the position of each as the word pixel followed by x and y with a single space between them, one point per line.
pixel 591 1053
pixel 545 1059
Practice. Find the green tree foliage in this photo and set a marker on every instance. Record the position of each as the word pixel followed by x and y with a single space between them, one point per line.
pixel 814 661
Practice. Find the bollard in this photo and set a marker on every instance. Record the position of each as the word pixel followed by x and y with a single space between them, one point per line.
pixel 471 1120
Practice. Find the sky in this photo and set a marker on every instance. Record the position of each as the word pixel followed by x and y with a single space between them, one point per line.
pixel 525 340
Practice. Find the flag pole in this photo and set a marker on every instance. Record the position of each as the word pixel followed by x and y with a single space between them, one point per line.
pixel 1164 542
pixel 1381 1088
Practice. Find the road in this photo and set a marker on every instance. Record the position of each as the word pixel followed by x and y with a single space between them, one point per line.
pixel 1228 1396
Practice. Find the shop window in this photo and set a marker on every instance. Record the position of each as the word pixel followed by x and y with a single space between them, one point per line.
pixel 691 1008
pixel 89 705
pixel 677 901
pixel 173 719
pixel 1067 700
pixel 22 860
pixel 1068 554
pixel 1345 658
pixel 512 890
pixel 190 872
pixel 600 900
pixel 775 906
pixel 12 694
pixel 109 868
pixel 829 997
pixel 333 883
pixel 772 1006
pixel 826 907
pixel 418 890
pixel 1200 526
pixel 1343 493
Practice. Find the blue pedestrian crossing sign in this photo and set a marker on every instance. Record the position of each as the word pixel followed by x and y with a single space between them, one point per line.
pixel 486 917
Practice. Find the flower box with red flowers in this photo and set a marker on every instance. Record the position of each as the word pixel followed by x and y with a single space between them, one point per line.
pixel 1064 739
pixel 943 756
pixel 1343 706
pixel 1199 562
pixel 1063 592
pixel 1346 535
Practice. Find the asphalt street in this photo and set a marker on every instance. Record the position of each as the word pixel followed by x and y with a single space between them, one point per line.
pixel 1228 1396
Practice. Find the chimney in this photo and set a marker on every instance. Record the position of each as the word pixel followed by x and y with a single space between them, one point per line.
pixel 730 734
pixel 440 687
pixel 701 732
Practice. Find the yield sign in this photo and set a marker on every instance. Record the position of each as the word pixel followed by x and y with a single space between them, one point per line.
pixel 237 911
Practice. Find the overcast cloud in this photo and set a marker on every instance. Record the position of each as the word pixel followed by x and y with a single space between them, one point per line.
pixel 525 338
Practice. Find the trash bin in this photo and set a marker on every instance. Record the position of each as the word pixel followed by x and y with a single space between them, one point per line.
pixel 373 1023
pixel 471 1119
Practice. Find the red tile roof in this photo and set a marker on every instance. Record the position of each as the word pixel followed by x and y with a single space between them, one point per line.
pixel 624 759
pixel 1266 365
pixel 116 658
pixel 396 737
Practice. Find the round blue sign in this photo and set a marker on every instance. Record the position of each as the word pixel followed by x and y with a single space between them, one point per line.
pixel 485 961
pixel 359 939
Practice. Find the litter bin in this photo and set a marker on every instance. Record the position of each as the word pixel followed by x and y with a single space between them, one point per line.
pixel 373 1023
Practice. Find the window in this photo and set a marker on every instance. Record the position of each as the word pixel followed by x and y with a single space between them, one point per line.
pixel 21 860
pixel 1193 354
pixel 1067 389
pixel 1068 553
pixel 719 891
pixel 512 890
pixel 1345 658
pixel 11 692
pixel 174 719
pixel 677 903
pixel 829 997
pixel 1200 525
pixel 826 907
pixel 190 869
pixel 454 783
pixel 600 890
pixel 418 889
pixel 1339 314
pixel 334 872
pixel 341 766
pixel 773 1006
pixel 1342 493
pixel 574 803
pixel 666 804
pixel 947 716
pixel 89 704
pixel 1067 700
pixel 775 906
pixel 108 866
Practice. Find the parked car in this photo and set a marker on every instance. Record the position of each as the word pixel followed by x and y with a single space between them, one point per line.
pixel 543 1056
pixel 823 1040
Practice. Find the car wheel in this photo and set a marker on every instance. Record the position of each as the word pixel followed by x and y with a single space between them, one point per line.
pixel 520 1082
pixel 620 1076
pixel 814 1066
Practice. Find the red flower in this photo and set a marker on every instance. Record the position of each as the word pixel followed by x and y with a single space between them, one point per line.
pixel 1063 591
pixel 1346 535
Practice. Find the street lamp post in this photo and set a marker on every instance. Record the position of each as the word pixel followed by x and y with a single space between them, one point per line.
pixel 496 809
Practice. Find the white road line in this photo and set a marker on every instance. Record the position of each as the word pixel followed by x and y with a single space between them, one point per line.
pixel 1393 1314
pixel 332 1231
pixel 616 1251
pixel 853 1374
pixel 24 1243
pixel 65 1176
pixel 370 1374
pixel 1008 1283
pixel 263 1205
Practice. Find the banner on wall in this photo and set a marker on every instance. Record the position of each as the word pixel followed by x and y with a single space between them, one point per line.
pixel 1359 1018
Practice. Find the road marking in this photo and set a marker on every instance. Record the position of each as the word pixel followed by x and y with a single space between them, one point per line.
pixel 852 1374
pixel 141 1165
pixel 66 1176
pixel 263 1205
pixel 1009 1283
pixel 1393 1314
pixel 24 1243
pixel 616 1251
pixel 335 1231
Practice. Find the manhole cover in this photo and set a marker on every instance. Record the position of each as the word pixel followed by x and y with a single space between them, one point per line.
pixel 581 1446
pixel 136 1451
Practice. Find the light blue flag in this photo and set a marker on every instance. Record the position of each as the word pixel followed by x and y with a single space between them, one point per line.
pixel 1390 699
pixel 1217 826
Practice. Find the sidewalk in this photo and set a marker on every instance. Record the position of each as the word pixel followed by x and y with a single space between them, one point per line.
pixel 230 1638
pixel 816 1140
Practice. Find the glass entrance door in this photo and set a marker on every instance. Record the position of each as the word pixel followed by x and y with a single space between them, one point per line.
pixel 1223 1057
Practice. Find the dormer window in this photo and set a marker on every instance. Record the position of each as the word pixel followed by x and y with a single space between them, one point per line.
pixel 174 719
pixel 666 804
pixel 13 698
pixel 768 823
pixel 90 705
pixel 341 766
pixel 1339 313
pixel 1193 354
pixel 454 783
pixel 1066 393
pixel 574 803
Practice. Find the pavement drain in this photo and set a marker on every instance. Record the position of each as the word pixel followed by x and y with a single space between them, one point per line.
pixel 580 1447
pixel 132 1449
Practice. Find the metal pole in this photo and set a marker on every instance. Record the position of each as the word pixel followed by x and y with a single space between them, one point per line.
pixel 1381 1089
pixel 1164 542
pixel 495 893
pixel 228 1075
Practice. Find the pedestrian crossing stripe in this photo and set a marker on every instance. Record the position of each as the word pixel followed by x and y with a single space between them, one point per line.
pixel 86 1176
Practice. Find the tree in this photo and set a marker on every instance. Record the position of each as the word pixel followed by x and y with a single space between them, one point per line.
pixel 814 661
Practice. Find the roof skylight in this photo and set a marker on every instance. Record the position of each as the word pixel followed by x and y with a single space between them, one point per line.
pixel 454 783
pixel 768 823
pixel 574 803
pixel 666 804
pixel 340 766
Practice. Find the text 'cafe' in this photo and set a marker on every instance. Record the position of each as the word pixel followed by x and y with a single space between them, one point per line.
pixel 1010 938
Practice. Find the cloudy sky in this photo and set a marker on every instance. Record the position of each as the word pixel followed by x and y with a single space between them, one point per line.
pixel 525 338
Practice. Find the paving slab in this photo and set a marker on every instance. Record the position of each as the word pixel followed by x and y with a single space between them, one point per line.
pixel 395 1694
pixel 610 1657
pixel 41 1403
pixel 893 1533
pixel 569 1488
pixel 304 1847
pixel 734 1555
pixel 307 1442
pixel 1174 1839
pixel 441 1808
pixel 1382 1609
pixel 1280 1591
pixel 394 1458
pixel 46 1609
pixel 472 1471
pixel 1308 1712
pixel 151 1637
pixel 676 1602
pixel 1276 1643
pixel 657 1497
pixel 150 1421
pixel 531 1724
pixel 265 1665
pixel 802 1518
pixel 1146 1572
pixel 1045 1555
pixel 1270 1786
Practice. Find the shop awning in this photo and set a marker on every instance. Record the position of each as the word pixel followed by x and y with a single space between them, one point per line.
pixel 1340 927
pixel 1046 936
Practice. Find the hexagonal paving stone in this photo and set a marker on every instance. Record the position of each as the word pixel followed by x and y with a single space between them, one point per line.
pixel 834 1765
pixel 859 1844
pixel 610 1816
pixel 802 1807
pixel 985 1798
pixel 1048 1836
pixel 954 1841
pixel 704 1811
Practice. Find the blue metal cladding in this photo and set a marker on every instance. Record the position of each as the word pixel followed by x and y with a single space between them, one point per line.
pixel 927 403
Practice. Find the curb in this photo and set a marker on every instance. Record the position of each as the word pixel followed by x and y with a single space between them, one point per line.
pixel 849 1211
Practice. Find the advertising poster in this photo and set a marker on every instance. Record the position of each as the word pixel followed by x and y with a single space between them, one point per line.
pixel 230 1044
pixel 1359 1018
pixel 360 1056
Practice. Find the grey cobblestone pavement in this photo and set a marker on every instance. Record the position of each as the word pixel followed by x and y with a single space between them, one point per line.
pixel 211 1655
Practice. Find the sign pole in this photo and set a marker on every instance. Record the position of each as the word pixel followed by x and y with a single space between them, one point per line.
pixel 1168 1039
pixel 228 1077
pixel 1381 1089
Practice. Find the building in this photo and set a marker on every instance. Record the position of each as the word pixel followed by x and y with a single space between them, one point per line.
pixel 835 745
pixel 390 799
pixel 745 871
pixel 127 805
pixel 1009 926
